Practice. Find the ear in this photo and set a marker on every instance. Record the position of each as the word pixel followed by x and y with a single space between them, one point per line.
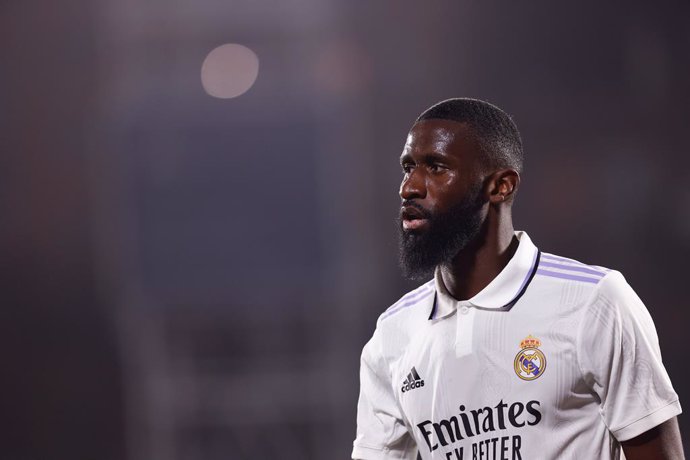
pixel 502 185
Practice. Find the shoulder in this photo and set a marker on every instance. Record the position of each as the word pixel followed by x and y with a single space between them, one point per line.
pixel 583 287
pixel 409 306
pixel 602 286
pixel 614 316
pixel 397 324
pixel 564 269
pixel 616 302
pixel 412 299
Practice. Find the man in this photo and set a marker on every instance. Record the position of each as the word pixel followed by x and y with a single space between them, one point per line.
pixel 508 352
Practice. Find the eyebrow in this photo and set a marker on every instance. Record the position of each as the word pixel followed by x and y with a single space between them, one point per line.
pixel 426 157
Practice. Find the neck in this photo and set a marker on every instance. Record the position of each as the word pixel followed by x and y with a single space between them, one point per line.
pixel 476 265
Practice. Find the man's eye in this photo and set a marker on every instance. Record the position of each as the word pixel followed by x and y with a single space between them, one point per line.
pixel 436 167
pixel 407 168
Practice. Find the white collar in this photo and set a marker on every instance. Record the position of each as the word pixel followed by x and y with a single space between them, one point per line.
pixel 502 292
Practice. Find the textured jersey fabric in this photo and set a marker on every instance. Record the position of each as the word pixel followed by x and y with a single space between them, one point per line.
pixel 553 359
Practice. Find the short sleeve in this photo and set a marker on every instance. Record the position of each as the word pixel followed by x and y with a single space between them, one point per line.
pixel 620 358
pixel 381 431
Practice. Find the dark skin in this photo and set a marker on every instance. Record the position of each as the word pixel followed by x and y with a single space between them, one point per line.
pixel 441 160
pixel 661 442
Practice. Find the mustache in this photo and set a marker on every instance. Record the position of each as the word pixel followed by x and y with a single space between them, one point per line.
pixel 423 212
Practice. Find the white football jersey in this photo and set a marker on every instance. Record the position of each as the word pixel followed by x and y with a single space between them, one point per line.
pixel 554 359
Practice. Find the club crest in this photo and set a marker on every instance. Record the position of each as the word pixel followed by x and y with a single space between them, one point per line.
pixel 530 362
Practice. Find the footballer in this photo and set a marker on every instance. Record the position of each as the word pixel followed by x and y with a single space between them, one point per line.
pixel 506 352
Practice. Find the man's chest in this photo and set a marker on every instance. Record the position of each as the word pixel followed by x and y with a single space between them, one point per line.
pixel 489 371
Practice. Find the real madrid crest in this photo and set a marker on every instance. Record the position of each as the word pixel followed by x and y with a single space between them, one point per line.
pixel 530 362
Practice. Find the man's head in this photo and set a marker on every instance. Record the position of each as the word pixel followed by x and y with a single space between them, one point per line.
pixel 461 162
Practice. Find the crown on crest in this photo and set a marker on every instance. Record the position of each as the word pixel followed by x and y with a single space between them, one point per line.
pixel 530 342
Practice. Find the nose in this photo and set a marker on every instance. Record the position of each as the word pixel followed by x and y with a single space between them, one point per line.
pixel 413 186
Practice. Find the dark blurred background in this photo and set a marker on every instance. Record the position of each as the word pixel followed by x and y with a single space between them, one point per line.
pixel 193 277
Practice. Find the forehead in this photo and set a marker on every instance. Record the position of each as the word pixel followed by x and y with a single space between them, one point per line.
pixel 445 137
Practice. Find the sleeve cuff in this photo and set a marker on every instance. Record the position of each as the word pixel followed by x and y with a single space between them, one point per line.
pixel 648 422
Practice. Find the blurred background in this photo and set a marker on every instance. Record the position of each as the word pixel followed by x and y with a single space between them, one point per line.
pixel 197 239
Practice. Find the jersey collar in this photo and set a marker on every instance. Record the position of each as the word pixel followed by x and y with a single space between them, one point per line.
pixel 501 293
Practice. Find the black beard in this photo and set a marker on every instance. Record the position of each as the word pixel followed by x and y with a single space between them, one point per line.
pixel 446 235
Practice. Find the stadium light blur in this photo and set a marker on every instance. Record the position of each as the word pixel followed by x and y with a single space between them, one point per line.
pixel 229 71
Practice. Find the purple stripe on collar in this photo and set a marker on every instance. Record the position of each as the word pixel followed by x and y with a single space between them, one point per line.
pixel 530 273
pixel 528 279
pixel 520 292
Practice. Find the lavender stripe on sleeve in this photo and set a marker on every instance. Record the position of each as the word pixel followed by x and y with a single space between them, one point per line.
pixel 414 294
pixel 554 258
pixel 408 303
pixel 567 276
pixel 546 255
pixel 573 268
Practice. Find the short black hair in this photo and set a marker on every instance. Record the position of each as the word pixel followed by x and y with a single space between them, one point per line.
pixel 497 134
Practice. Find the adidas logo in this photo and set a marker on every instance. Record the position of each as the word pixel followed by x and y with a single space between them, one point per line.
pixel 412 381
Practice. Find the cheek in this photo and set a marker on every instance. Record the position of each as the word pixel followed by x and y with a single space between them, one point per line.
pixel 445 188
pixel 449 180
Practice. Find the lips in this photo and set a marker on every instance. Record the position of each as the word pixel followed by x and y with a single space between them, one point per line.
pixel 413 217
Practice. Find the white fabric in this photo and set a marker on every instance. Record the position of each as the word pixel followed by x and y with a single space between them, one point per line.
pixel 602 381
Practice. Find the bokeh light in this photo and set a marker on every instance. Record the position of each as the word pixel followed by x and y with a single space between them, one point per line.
pixel 229 71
